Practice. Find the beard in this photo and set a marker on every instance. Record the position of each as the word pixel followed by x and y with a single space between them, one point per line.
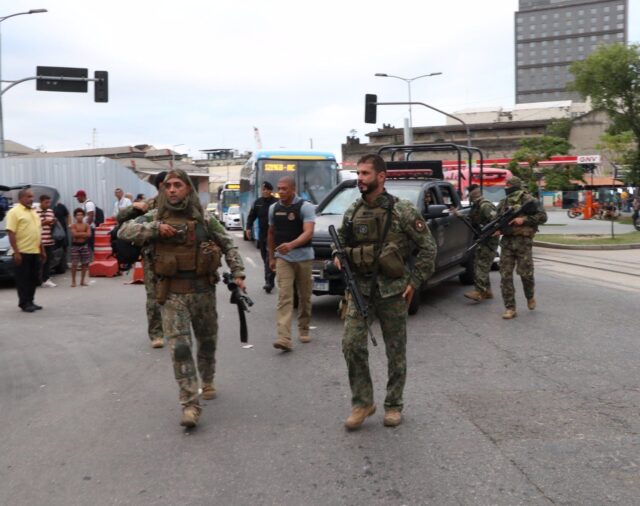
pixel 365 189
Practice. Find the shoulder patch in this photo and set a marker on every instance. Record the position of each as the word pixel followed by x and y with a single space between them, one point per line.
pixel 420 225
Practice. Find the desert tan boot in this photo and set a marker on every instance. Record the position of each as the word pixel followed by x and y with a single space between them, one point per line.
pixel 358 415
pixel 158 342
pixel 488 294
pixel 305 339
pixel 531 303
pixel 392 418
pixel 190 416
pixel 283 344
pixel 208 391
pixel 509 313
pixel 474 295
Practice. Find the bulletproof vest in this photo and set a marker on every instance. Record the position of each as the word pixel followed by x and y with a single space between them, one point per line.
pixel 189 255
pixel 287 223
pixel 366 227
pixel 475 215
pixel 515 200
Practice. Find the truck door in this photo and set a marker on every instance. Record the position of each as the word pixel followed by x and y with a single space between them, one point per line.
pixel 438 227
pixel 457 233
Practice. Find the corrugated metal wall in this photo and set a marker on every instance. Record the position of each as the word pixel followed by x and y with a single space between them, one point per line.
pixel 99 177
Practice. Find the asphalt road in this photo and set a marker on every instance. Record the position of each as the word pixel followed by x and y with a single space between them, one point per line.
pixel 539 410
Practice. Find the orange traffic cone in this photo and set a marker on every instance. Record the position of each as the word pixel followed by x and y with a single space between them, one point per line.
pixel 138 274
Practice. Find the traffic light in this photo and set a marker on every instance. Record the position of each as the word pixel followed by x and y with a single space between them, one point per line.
pixel 370 108
pixel 101 86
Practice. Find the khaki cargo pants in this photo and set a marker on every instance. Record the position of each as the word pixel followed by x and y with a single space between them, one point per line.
pixel 292 276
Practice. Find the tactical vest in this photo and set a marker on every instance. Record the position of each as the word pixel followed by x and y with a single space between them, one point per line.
pixel 515 200
pixel 475 215
pixel 287 223
pixel 367 226
pixel 188 261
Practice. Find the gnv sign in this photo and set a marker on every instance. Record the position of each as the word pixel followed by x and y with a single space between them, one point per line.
pixel 594 159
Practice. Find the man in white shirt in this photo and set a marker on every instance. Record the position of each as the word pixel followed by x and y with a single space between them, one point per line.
pixel 121 202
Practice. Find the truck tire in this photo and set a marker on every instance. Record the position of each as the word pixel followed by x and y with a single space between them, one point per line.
pixel 415 303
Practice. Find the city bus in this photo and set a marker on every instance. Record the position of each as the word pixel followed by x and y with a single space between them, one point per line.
pixel 229 196
pixel 315 174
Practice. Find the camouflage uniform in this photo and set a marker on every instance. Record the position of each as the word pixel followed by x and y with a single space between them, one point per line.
pixel 516 248
pixel 482 212
pixel 181 311
pixel 154 319
pixel 410 233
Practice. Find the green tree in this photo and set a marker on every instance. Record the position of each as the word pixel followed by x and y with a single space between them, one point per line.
pixel 559 128
pixel 526 160
pixel 610 76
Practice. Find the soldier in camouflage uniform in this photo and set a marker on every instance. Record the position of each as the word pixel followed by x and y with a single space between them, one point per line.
pixel 389 293
pixel 482 212
pixel 187 246
pixel 154 319
pixel 516 248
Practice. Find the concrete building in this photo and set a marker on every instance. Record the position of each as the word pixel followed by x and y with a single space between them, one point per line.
pixel 552 34
pixel 222 165
pixel 497 131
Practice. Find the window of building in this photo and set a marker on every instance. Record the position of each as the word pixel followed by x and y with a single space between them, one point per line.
pixel 593 11
pixel 605 18
pixel 593 37
pixel 543 17
pixel 620 36
pixel 556 15
pixel 605 9
pixel 567 14
pixel 580 12
pixel 581 21
pixel 620 7
pixel 605 36
pixel 620 26
pixel 580 48
pixel 619 16
pixel 605 27
pixel 532 28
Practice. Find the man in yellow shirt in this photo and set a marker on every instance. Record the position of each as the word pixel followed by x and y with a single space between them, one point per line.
pixel 23 225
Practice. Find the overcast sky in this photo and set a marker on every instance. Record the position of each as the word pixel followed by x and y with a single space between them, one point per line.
pixel 202 74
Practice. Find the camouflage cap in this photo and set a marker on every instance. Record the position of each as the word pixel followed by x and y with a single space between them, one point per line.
pixel 514 182
pixel 475 194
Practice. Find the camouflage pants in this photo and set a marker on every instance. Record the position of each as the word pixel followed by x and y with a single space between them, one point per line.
pixel 482 264
pixel 154 318
pixel 392 314
pixel 179 313
pixel 516 252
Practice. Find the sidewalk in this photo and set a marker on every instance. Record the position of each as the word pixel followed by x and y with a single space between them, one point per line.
pixel 565 225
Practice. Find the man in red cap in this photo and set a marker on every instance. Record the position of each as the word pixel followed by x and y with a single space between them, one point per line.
pixel 89 209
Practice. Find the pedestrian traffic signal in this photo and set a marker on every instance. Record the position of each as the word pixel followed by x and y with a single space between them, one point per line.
pixel 101 86
pixel 370 108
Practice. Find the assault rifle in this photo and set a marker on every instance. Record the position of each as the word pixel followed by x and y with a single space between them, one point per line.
pixel 350 282
pixel 501 222
pixel 242 301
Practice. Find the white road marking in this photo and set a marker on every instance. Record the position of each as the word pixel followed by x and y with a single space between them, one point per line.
pixel 250 261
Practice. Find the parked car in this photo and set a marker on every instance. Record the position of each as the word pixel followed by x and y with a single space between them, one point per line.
pixel 232 218
pixel 6 253
pixel 7 267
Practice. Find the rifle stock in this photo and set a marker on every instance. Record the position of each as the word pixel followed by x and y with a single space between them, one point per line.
pixel 350 282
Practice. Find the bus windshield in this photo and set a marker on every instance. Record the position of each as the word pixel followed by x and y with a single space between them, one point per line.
pixel 230 197
pixel 314 178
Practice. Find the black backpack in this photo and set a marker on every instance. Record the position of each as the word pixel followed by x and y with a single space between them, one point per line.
pixel 125 252
pixel 99 217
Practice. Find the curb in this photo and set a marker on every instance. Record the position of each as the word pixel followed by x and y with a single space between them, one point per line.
pixel 553 245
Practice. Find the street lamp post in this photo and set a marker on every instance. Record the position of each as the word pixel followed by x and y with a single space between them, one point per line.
pixel 173 155
pixel 409 80
pixel 3 18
